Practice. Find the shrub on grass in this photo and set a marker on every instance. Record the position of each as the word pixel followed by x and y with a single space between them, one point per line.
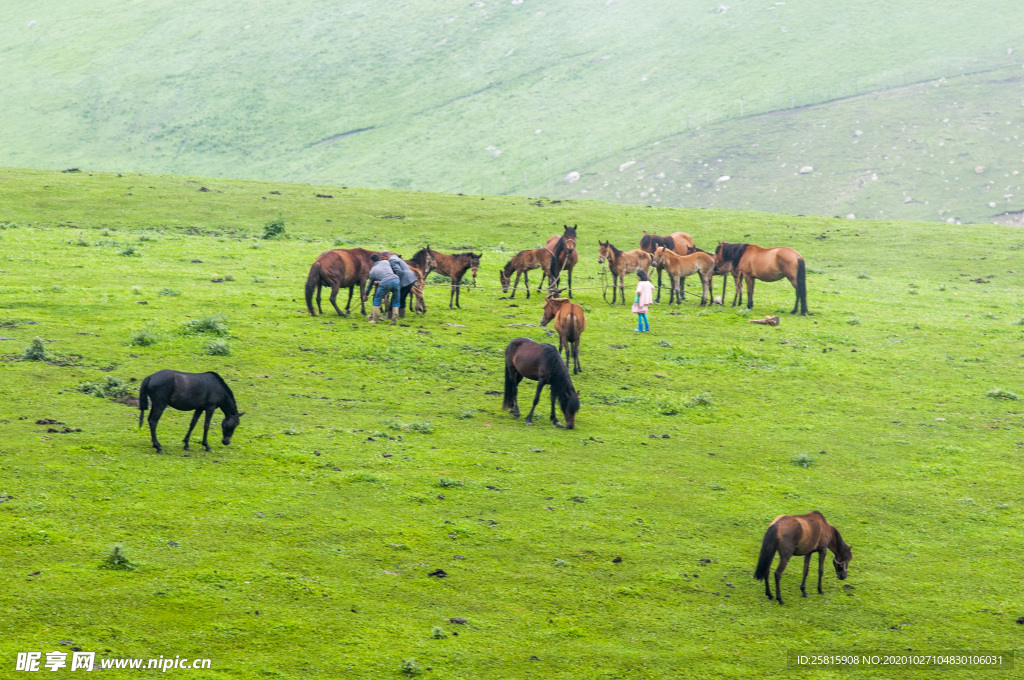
pixel 668 407
pixel 208 325
pixel 111 387
pixel 702 399
pixel 130 251
pixel 1000 393
pixel 273 228
pixel 218 348
pixel 169 291
pixel 411 667
pixel 36 351
pixel 446 483
pixel 438 633
pixel 117 560
pixel 802 460
pixel 465 414
pixel 143 338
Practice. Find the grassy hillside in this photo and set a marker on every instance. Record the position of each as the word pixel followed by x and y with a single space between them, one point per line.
pixel 371 456
pixel 498 97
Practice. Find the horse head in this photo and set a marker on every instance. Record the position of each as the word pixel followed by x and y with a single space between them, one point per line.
pixel 474 263
pixel 605 251
pixel 842 561
pixel 551 306
pixel 569 237
pixel 657 255
pixel 228 426
pixel 570 407
pixel 506 277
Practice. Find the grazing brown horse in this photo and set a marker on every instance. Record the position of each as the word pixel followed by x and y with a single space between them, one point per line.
pixel 453 266
pixel 678 242
pixel 525 358
pixel 750 262
pixel 680 266
pixel 620 264
pixel 565 256
pixel 570 324
pixel 801 535
pixel 524 262
pixel 338 268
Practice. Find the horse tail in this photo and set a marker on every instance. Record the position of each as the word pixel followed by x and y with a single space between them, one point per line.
pixel 143 398
pixel 509 400
pixel 312 281
pixel 801 284
pixel 769 545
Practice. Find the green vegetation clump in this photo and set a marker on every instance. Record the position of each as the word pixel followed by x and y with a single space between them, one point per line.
pixel 273 228
pixel 117 560
pixel 207 325
pixel 111 387
pixel 169 291
pixel 1000 393
pixel 37 351
pixel 802 460
pixel 143 338
pixel 218 348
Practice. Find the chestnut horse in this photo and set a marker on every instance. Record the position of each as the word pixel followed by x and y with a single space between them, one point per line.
pixel 564 249
pixel 453 266
pixel 678 242
pixel 801 535
pixel 680 266
pixel 749 262
pixel 525 358
pixel 522 264
pixel 338 268
pixel 570 324
pixel 620 264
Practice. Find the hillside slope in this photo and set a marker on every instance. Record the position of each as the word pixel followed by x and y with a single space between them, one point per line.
pixel 486 97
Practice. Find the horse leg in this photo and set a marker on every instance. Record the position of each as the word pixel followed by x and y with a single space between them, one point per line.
pixel 705 289
pixel 154 418
pixel 554 418
pixel 783 561
pixel 334 298
pixel 750 291
pixel 541 284
pixel 682 288
pixel 348 305
pixel 515 395
pixel 451 296
pixel 658 297
pixel 319 288
pixel 577 368
pixel 807 567
pixel 458 292
pixel 821 569
pixel 622 288
pixel 206 427
pixel 362 297
pixel 526 282
pixel 192 425
pixel 536 398
pixel 570 283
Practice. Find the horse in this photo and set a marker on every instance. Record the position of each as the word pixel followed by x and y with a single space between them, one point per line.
pixel 524 262
pixel 749 262
pixel 678 242
pixel 453 266
pixel 186 391
pixel 679 266
pixel 338 268
pixel 420 307
pixel 564 250
pixel 570 324
pixel 525 358
pixel 801 535
pixel 620 264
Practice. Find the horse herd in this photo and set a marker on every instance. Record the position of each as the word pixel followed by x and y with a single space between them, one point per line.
pixel 674 254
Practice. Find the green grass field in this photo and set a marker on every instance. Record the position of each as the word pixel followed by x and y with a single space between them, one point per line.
pixel 502 98
pixel 370 456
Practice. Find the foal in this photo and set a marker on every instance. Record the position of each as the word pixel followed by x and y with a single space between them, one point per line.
pixel 620 264
pixel 681 266
pixel 524 262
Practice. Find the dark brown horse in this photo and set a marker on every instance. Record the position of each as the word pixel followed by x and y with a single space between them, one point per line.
pixel 681 266
pixel 801 535
pixel 338 268
pixel 201 392
pixel 570 324
pixel 678 242
pixel 620 264
pixel 522 264
pixel 453 266
pixel 563 248
pixel 525 358
pixel 749 262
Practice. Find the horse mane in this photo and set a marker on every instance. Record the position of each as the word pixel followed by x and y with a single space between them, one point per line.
pixel 614 249
pixel 420 257
pixel 841 544
pixel 733 252
pixel 231 395
pixel 559 379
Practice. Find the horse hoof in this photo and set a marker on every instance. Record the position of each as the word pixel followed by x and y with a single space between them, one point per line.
pixel 556 423
pixel 806 595
pixel 208 449
pixel 529 422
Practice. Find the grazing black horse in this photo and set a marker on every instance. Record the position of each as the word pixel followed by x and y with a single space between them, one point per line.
pixel 185 392
pixel 525 358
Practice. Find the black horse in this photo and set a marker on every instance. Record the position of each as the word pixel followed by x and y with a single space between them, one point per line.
pixel 185 392
pixel 525 358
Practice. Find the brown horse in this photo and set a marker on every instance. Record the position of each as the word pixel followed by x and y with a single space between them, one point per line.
pixel 620 264
pixel 570 324
pixel 525 358
pixel 801 535
pixel 750 262
pixel 453 266
pixel 338 268
pixel 678 242
pixel 522 264
pixel 680 266
pixel 565 256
